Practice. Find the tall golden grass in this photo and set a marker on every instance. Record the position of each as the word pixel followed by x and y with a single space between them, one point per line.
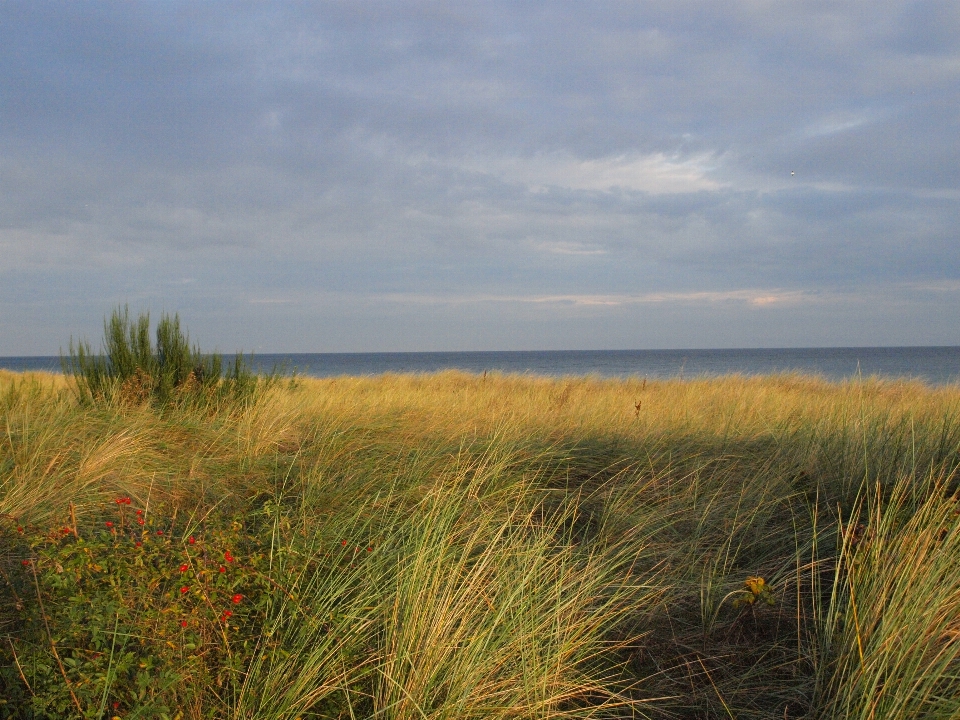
pixel 572 547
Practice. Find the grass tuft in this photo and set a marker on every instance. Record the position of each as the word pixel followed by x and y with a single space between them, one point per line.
pixel 132 370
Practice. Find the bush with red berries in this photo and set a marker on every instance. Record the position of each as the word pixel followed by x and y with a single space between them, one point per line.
pixel 132 609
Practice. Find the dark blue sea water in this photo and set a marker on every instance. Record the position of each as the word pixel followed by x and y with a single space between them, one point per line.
pixel 935 365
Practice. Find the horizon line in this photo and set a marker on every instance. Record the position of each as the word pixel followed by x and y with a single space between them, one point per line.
pixel 551 350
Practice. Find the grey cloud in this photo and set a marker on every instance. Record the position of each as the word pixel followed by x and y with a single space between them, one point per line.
pixel 273 152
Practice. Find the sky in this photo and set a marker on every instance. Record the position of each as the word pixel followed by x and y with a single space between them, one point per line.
pixel 500 175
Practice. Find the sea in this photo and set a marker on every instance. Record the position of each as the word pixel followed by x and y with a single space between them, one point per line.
pixel 932 365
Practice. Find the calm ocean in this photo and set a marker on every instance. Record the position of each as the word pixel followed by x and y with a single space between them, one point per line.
pixel 935 365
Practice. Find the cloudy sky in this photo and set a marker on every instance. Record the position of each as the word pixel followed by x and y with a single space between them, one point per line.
pixel 364 176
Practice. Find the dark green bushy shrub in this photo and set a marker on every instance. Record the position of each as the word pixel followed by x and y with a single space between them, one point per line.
pixel 131 618
pixel 131 369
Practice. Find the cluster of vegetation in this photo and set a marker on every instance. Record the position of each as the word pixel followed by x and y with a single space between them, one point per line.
pixel 131 369
pixel 457 546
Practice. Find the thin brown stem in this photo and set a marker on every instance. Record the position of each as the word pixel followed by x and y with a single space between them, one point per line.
pixel 16 661
pixel 53 645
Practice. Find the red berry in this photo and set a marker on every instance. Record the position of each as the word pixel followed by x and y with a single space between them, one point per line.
pixel 185 589
pixel 25 563
pixel 191 540
pixel 109 524
pixel 184 567
pixel 237 598
pixel 159 532
pixel 139 521
pixel 139 512
pixel 343 542
pixel 183 623
pixel 222 569
pixel 138 543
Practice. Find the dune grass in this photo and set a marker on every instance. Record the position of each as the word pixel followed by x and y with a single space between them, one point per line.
pixel 463 546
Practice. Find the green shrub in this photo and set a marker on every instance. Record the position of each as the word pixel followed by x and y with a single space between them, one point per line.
pixel 140 613
pixel 130 369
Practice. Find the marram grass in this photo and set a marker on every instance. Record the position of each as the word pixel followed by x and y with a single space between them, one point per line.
pixel 462 546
